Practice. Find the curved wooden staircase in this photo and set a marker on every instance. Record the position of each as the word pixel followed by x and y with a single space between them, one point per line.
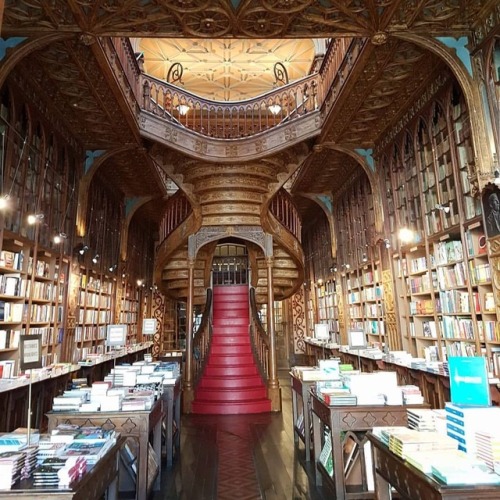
pixel 231 383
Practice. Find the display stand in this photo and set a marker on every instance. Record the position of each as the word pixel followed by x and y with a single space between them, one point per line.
pixel 30 358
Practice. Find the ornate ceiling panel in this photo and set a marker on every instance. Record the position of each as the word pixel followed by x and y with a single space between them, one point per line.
pixel 131 172
pixel 227 70
pixel 72 83
pixel 392 75
pixel 240 19
pixel 325 172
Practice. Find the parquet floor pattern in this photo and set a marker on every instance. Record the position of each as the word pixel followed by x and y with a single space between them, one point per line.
pixel 240 457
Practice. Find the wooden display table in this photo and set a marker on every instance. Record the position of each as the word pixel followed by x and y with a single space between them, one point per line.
pixel 101 479
pixel 171 400
pixel 301 388
pixel 137 425
pixel 412 484
pixel 351 422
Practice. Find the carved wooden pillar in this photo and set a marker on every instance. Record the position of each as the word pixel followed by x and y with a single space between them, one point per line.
pixel 188 390
pixel 273 389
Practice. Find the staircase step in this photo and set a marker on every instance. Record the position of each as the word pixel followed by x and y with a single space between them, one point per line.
pixel 230 359
pixel 230 394
pixel 221 291
pixel 230 340
pixel 237 305
pixel 230 383
pixel 229 371
pixel 237 408
pixel 228 349
pixel 231 321
pixel 230 330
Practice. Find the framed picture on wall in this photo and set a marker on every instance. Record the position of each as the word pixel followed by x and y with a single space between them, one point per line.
pixel 491 211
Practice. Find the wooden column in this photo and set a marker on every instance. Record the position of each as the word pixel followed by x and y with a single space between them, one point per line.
pixel 188 389
pixel 273 388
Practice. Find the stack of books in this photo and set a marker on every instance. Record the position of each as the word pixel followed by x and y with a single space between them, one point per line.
pixel 91 451
pixel 64 433
pixel 402 443
pixel 30 460
pixel 463 421
pixel 45 475
pixel 412 395
pixel 421 419
pixel 462 471
pixel 47 449
pixel 11 463
pixel 488 447
pixel 73 468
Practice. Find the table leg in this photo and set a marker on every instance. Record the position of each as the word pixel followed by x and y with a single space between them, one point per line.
pixel 142 470
pixel 157 449
pixel 295 415
pixel 177 411
pixel 169 420
pixel 338 462
pixel 317 447
pixel 307 424
pixel 382 487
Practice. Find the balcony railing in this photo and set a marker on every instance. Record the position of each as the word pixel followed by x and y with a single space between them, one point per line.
pixel 229 120
pixel 178 208
pixel 284 210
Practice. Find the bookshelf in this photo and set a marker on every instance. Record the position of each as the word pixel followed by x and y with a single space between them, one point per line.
pixel 444 291
pixel 129 310
pixel 32 298
pixel 94 313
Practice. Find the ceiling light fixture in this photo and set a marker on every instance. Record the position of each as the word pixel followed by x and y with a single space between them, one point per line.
pixel 274 108
pixel 83 249
pixel 183 109
pixel 95 259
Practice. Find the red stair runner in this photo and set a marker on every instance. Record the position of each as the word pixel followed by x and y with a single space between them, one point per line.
pixel 231 383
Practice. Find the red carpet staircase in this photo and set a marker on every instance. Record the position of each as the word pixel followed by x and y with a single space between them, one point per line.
pixel 231 383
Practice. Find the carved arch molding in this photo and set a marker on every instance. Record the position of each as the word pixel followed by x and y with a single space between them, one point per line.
pixel 208 234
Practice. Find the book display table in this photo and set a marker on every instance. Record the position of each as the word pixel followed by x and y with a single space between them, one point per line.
pixel 171 401
pixel 392 471
pixel 137 425
pixel 99 480
pixel 301 412
pixel 349 422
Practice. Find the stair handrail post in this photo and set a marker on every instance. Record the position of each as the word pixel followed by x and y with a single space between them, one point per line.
pixel 188 389
pixel 273 388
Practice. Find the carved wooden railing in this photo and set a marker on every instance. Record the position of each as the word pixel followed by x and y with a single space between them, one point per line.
pixel 229 120
pixel 178 209
pixel 283 208
pixel 202 338
pixel 260 339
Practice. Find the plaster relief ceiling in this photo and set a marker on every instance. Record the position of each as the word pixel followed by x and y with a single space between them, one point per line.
pixel 227 70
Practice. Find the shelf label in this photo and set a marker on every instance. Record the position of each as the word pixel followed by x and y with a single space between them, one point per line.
pixel 148 326
pixel 31 351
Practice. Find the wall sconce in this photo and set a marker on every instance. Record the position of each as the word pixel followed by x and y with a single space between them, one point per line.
pixel 95 259
pixel 34 218
pixel 319 282
pixel 406 235
pixel 59 237
pixel 333 269
pixel 364 258
pixel 140 282
pixel 444 208
pixel 112 268
pixel 4 201
pixel 346 266
pixel 83 249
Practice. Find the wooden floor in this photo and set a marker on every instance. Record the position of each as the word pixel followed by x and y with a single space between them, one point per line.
pixel 241 457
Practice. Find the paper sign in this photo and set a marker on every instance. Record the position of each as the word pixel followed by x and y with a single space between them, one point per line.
pixel 31 351
pixel 148 326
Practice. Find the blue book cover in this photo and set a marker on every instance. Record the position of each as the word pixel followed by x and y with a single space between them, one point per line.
pixel 469 381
